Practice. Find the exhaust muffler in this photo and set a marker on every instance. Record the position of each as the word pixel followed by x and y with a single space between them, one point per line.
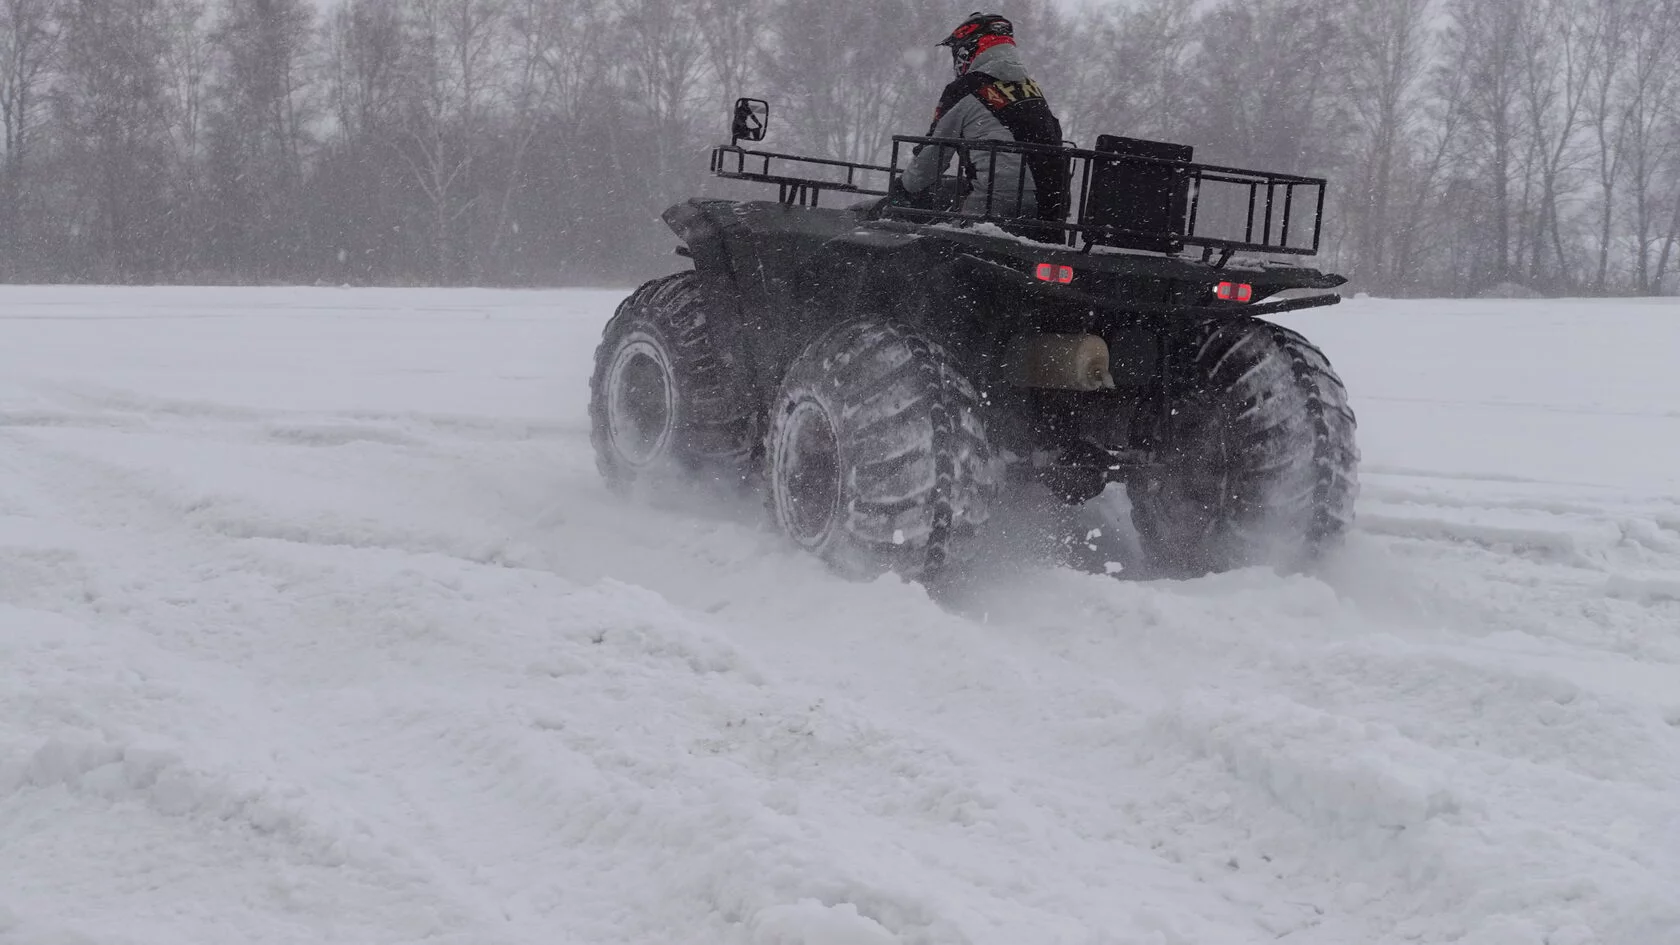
pixel 1059 362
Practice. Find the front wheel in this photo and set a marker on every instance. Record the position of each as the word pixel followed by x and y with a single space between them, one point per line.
pixel 669 398
pixel 877 459
pixel 1260 465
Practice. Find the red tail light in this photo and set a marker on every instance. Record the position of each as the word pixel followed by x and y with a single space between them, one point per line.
pixel 1234 291
pixel 1050 272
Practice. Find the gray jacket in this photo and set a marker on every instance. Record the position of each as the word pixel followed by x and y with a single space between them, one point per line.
pixel 970 119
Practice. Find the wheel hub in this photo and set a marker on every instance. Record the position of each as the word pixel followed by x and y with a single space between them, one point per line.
pixel 811 474
pixel 641 407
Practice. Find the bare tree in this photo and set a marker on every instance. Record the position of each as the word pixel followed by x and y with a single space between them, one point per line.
pixel 1561 47
pixel 112 112
pixel 530 92
pixel 189 62
pixel 1482 40
pixel 356 201
pixel 365 54
pixel 1387 62
pixel 27 46
pixel 189 67
pixel 1608 114
pixel 27 39
pixel 259 134
pixel 1670 161
pixel 1267 99
pixel 854 76
pixel 450 82
pixel 665 58
pixel 1648 82
pixel 1134 68
pixel 733 31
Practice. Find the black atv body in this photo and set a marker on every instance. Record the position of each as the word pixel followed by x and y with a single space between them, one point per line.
pixel 887 372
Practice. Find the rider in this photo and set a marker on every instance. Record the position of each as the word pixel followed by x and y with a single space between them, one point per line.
pixel 993 99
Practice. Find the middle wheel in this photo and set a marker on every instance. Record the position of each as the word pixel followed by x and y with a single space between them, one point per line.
pixel 877 457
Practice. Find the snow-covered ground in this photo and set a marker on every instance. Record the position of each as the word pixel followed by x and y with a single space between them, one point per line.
pixel 316 626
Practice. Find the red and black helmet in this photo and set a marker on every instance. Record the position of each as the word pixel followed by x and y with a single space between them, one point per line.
pixel 975 35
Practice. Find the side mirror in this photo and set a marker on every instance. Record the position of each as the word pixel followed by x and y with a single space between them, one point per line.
pixel 752 119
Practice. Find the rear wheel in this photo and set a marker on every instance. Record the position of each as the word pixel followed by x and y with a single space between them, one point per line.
pixel 668 399
pixel 877 459
pixel 1261 466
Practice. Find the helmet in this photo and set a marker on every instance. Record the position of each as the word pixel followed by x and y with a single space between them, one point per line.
pixel 975 35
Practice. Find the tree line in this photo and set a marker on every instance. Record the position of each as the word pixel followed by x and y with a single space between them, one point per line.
pixel 1472 145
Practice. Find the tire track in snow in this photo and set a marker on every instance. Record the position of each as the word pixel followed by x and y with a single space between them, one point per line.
pixel 1227 736
pixel 204 610
pixel 1383 772
pixel 1583 566
pixel 228 570
pixel 64 404
pixel 1255 758
pixel 1053 809
pixel 144 790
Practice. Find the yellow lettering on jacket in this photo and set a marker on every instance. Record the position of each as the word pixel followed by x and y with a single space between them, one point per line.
pixel 1003 94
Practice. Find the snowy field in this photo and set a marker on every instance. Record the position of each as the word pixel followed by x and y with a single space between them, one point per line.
pixel 317 626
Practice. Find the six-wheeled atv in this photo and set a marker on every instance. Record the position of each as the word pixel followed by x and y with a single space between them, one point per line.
pixel 885 371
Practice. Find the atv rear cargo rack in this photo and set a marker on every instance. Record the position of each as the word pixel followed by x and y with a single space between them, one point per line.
pixel 1126 194
pixel 1145 195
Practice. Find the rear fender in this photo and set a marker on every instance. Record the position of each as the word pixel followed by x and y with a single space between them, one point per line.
pixel 868 270
pixel 968 303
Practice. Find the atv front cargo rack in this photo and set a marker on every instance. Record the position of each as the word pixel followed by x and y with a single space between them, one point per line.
pixel 730 161
pixel 1126 193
